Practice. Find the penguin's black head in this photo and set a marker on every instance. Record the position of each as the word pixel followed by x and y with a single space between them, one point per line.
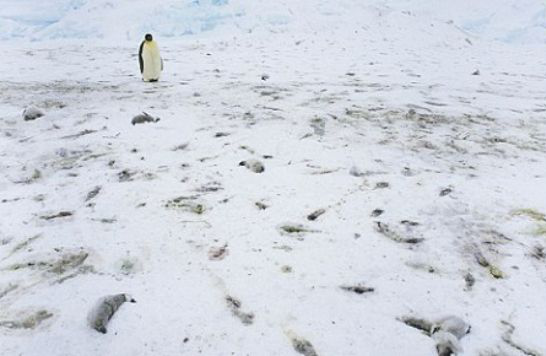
pixel 148 37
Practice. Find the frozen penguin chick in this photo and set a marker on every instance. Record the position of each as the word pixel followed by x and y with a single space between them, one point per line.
pixel 447 332
pixel 104 310
pixel 149 59
pixel 143 118
pixel 32 113
pixel 253 165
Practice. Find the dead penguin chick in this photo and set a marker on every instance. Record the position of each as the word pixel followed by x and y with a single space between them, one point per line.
pixel 32 113
pixel 446 344
pixel 453 325
pixel 254 165
pixel 105 309
pixel 447 332
pixel 143 118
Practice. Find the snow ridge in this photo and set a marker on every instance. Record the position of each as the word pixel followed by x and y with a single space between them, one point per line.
pixel 508 21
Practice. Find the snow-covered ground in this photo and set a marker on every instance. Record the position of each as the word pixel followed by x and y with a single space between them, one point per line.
pixel 432 181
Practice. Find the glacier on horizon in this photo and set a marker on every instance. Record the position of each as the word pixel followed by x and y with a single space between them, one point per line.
pixel 508 21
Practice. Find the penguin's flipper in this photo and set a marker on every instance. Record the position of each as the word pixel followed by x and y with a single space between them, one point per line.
pixel 140 60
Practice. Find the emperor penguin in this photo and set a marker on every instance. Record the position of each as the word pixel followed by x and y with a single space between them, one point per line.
pixel 149 59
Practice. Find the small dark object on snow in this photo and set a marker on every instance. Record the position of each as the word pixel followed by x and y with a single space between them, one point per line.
pixel 143 118
pixel 265 77
pixel 382 185
pixel 253 165
pixel 61 214
pixel 32 113
pixel 413 240
pixel 355 172
pixel 180 147
pixel 303 347
pixel 210 187
pixel 469 280
pixel 218 253
pixel 538 252
pixel 358 289
pixel 93 193
pixel 476 72
pixel 445 192
pixel 105 309
pixel 377 212
pixel 409 223
pixel 480 258
pixel 221 134
pixel 125 175
pixel 235 306
pixel 293 229
pixel 314 215
pixel 261 205
pixel 384 229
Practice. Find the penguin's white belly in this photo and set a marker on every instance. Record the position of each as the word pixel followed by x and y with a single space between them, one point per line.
pixel 152 63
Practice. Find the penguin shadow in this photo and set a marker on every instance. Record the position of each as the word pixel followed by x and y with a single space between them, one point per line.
pixel 158 86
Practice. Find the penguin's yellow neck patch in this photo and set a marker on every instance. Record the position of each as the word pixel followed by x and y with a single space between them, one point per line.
pixel 151 44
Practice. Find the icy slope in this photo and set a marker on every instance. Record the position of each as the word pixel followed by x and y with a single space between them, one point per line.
pixel 99 19
pixel 508 21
